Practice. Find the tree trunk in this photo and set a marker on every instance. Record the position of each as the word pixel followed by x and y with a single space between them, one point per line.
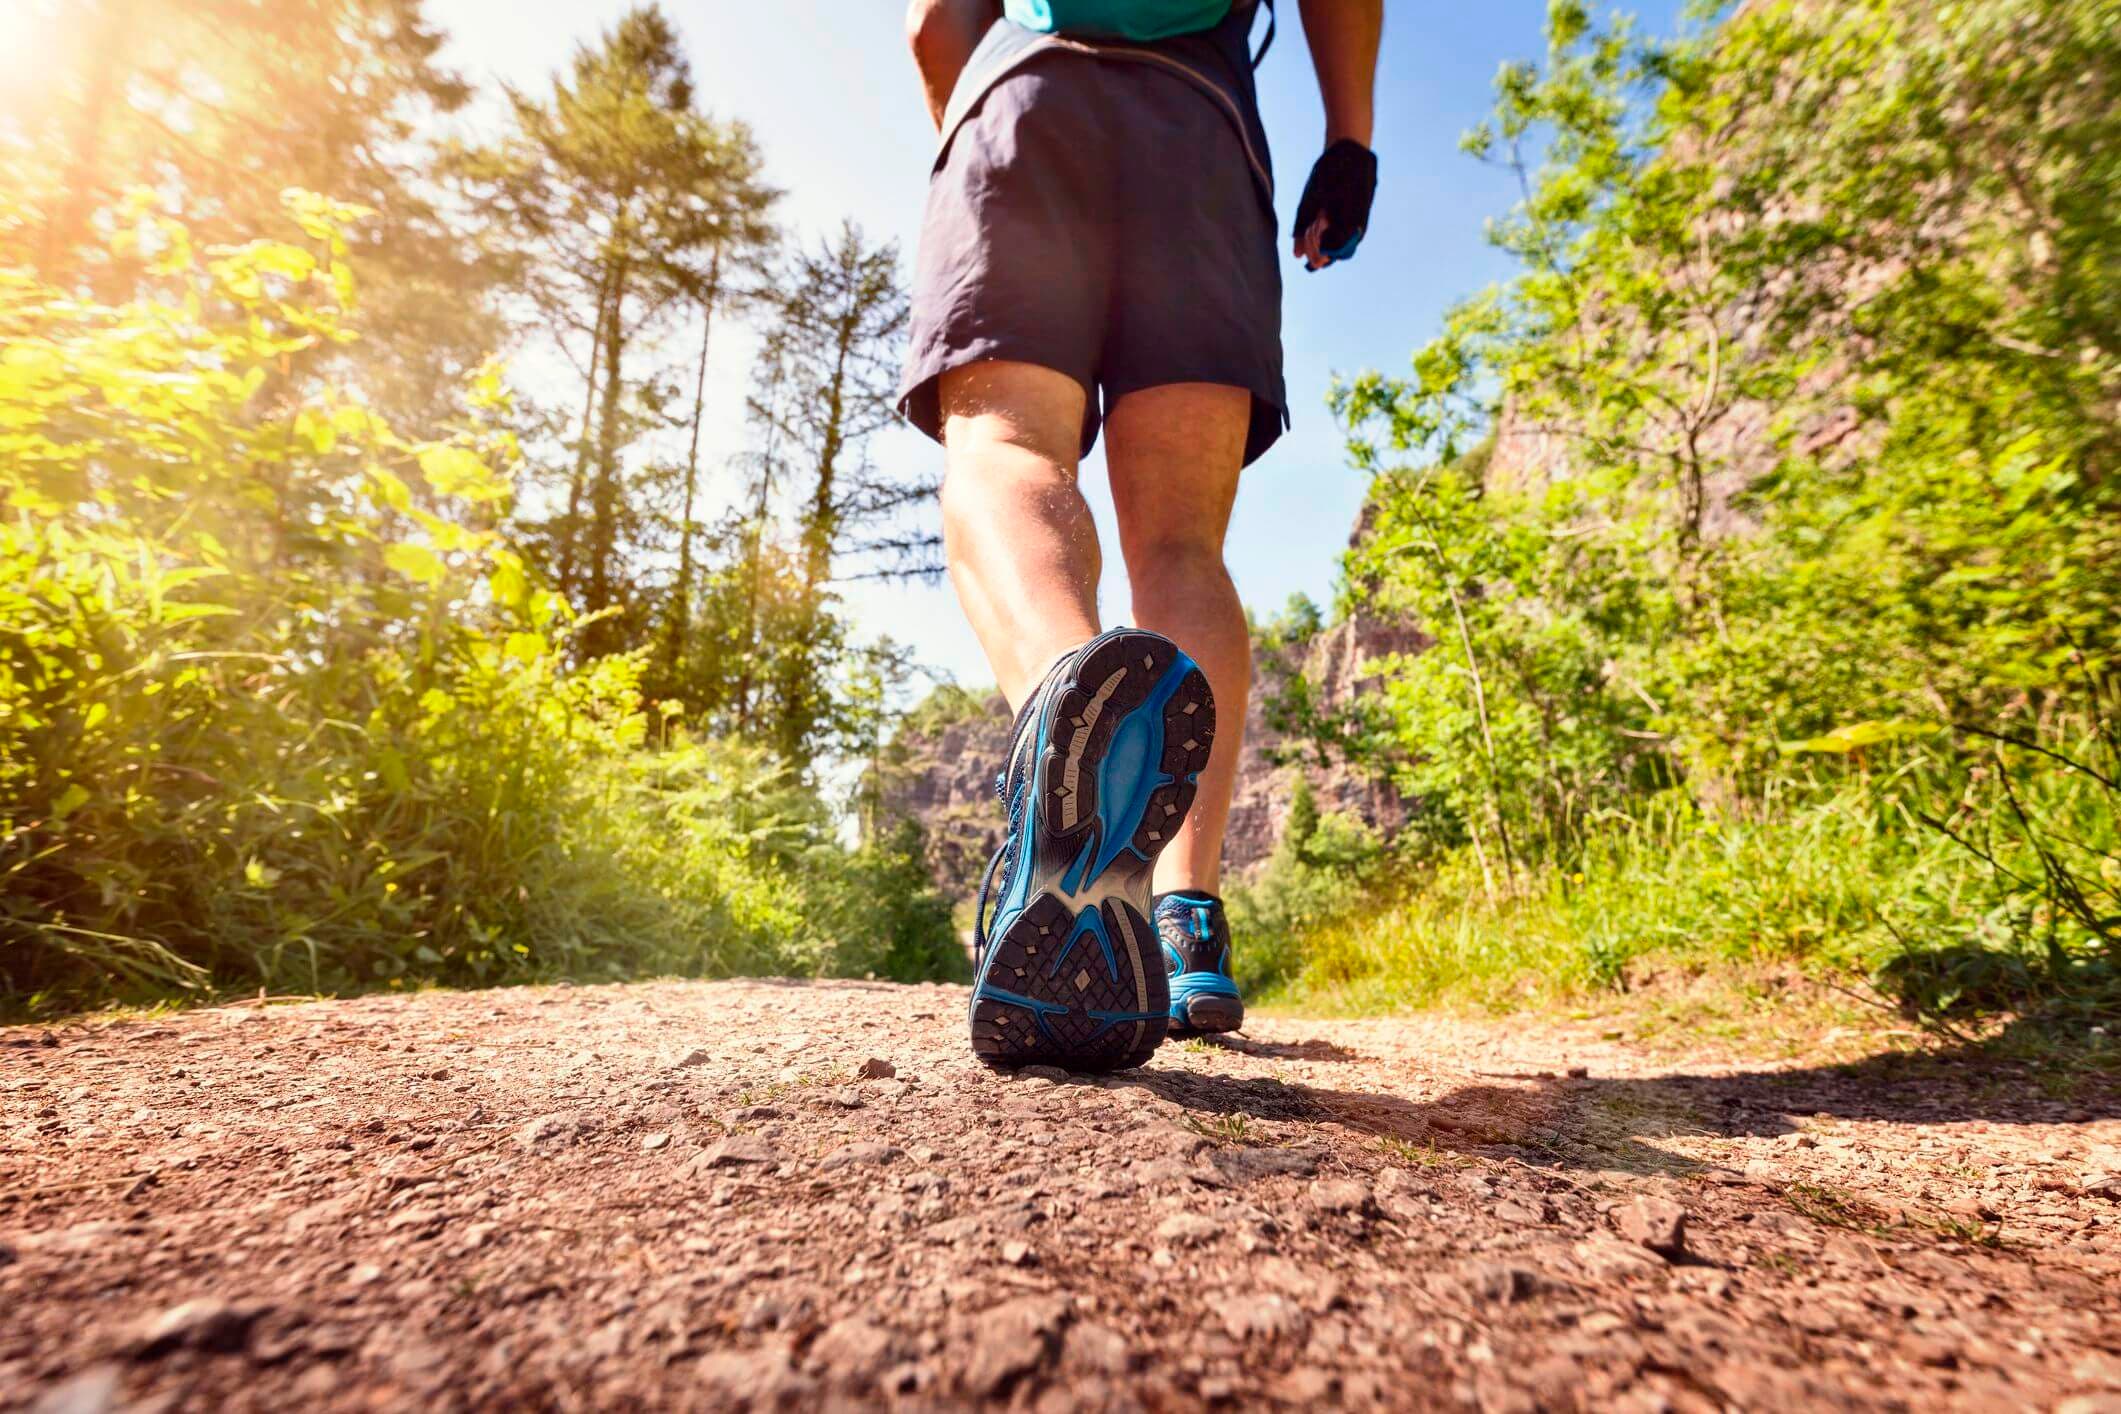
pixel 747 678
pixel 681 607
pixel 822 523
pixel 820 526
pixel 568 559
pixel 604 495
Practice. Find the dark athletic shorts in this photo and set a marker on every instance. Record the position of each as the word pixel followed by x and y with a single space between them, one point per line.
pixel 1099 218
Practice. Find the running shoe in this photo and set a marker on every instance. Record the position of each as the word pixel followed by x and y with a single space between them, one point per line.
pixel 1196 938
pixel 1103 764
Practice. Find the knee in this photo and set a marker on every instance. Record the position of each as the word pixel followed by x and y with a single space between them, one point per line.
pixel 1172 560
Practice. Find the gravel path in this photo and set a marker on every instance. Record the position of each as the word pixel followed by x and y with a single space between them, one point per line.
pixel 751 1193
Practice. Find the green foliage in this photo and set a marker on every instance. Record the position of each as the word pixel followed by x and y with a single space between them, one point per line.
pixel 1299 621
pixel 617 201
pixel 223 107
pixel 281 707
pixel 946 705
pixel 1840 874
pixel 1786 467
pixel 1322 871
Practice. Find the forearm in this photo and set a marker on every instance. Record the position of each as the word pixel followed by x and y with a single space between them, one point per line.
pixel 943 34
pixel 1343 35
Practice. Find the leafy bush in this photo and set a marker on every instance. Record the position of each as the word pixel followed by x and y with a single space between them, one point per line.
pixel 1317 876
pixel 280 708
pixel 1779 484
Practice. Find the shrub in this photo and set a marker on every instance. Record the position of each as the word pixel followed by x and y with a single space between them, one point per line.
pixel 280 708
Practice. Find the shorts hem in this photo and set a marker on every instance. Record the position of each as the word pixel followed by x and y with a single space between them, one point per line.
pixel 920 394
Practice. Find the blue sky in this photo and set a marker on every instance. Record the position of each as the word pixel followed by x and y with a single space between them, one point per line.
pixel 827 87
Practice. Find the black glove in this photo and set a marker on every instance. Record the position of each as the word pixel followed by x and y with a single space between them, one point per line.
pixel 1342 185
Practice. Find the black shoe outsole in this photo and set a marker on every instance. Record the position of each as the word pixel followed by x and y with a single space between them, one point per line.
pixel 1209 1016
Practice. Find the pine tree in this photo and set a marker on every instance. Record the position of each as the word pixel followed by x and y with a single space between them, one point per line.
pixel 827 379
pixel 618 195
pixel 735 262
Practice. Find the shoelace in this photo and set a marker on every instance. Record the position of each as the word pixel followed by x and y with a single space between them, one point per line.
pixel 994 863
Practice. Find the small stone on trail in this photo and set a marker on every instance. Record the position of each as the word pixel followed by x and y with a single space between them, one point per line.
pixel 1579 1072
pixel 1524 1215
pixel 691 1058
pixel 736 1149
pixel 1250 1163
pixel 1656 1223
pixel 203 1324
pixel 861 1151
pixel 1339 1195
pixel 1187 1229
pixel 1017 1254
pixel 1011 1339
pixel 92 1391
pixel 754 1378
pixel 651 1142
pixel 875 1068
pixel 1043 1072
pixel 852 1349
pixel 845 1096
pixel 1502 1283
pixel 1306 1384
pixel 1250 1315
pixel 1609 1259
pixel 2090 1404
pixel 553 1126
pixel 1100 1348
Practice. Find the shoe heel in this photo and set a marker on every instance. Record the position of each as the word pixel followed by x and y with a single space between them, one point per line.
pixel 1132 732
pixel 1084 991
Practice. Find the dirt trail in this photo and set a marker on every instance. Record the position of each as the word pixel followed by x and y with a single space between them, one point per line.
pixel 690 1195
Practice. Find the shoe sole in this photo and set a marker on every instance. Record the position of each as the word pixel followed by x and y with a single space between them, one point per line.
pixel 1206 1013
pixel 1125 734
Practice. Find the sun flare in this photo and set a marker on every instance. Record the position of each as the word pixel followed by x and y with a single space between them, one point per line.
pixel 31 34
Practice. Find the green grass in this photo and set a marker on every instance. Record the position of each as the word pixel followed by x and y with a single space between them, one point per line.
pixel 1223 1129
pixel 1833 889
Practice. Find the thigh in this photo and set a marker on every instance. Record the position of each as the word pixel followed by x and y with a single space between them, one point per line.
pixel 1174 453
pixel 1023 407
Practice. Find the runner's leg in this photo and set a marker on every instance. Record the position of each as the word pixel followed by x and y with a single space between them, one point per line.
pixel 1021 546
pixel 1175 452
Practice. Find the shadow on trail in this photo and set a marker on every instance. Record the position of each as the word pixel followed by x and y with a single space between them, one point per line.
pixel 1314 1049
pixel 1611 1123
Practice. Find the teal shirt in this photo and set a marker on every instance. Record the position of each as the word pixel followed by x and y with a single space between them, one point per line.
pixel 1138 20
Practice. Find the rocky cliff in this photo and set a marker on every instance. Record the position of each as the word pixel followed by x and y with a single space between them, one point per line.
pixel 941 769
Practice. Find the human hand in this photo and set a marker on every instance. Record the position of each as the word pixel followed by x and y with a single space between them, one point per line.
pixel 1334 211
